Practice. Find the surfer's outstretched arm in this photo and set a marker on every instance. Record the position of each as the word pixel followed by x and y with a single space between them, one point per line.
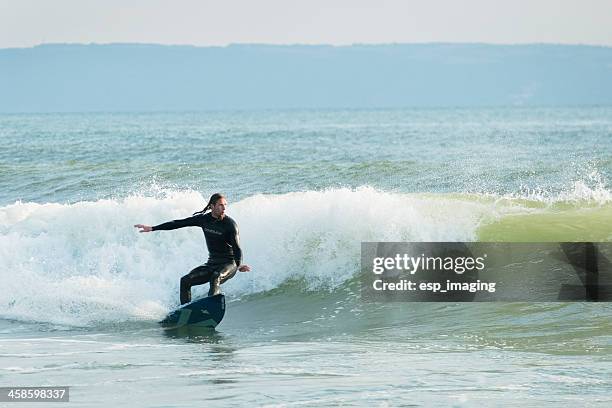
pixel 171 225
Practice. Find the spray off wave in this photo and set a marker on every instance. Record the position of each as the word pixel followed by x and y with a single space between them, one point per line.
pixel 84 263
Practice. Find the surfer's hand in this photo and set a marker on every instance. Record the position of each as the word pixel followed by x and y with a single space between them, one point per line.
pixel 144 228
pixel 244 268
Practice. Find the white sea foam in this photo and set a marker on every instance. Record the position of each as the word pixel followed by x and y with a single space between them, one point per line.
pixel 81 263
pixel 592 189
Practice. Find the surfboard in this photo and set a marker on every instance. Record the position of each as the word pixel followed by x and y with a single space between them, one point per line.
pixel 204 312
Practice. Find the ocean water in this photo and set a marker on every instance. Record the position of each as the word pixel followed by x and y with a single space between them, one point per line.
pixel 81 291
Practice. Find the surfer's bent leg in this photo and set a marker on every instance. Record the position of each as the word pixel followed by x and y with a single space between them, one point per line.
pixel 197 276
pixel 222 274
pixel 228 272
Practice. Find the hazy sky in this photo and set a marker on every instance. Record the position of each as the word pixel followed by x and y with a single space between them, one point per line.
pixel 25 23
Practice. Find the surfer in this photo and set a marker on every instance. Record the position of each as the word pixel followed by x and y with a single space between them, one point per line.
pixel 224 252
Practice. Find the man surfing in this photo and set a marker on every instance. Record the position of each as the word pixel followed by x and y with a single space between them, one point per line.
pixel 224 252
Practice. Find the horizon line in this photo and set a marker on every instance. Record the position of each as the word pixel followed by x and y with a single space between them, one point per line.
pixel 309 109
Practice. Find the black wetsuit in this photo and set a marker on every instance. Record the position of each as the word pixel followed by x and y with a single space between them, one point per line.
pixel 224 253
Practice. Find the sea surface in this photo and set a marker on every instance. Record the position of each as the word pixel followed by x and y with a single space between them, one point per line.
pixel 81 291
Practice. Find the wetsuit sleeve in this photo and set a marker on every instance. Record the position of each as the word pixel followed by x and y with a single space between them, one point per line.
pixel 171 225
pixel 234 241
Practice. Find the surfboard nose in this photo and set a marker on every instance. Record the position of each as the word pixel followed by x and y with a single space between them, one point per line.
pixel 204 312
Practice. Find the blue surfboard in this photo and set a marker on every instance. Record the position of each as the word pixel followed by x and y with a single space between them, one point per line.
pixel 204 312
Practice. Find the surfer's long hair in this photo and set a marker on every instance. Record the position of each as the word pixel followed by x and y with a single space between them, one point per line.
pixel 211 203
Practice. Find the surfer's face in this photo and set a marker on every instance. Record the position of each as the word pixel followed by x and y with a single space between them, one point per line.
pixel 218 210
